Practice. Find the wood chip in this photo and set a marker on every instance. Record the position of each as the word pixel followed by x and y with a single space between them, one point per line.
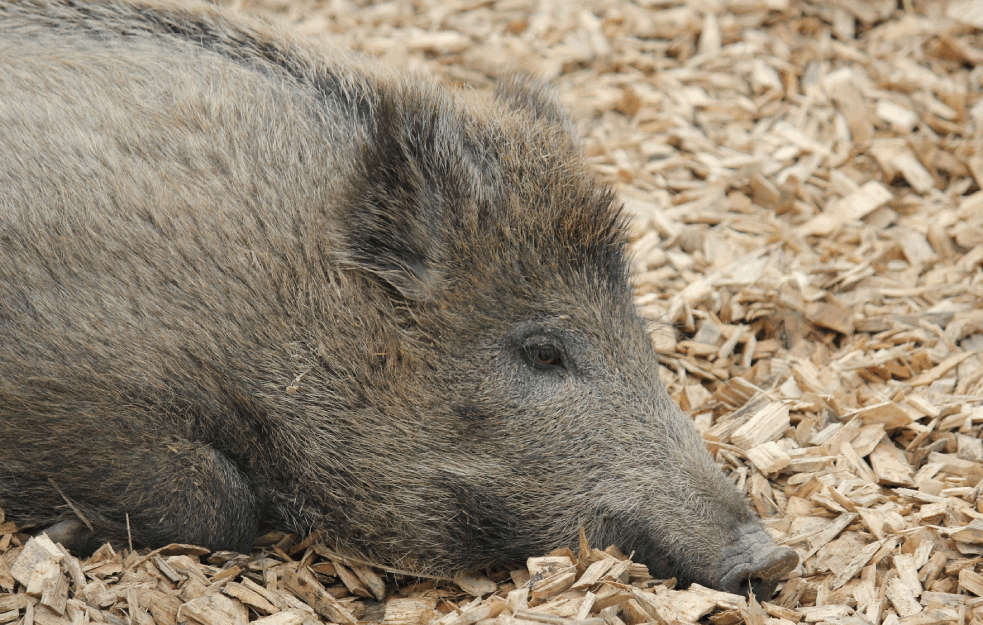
pixel 250 598
pixel 854 206
pixel 972 533
pixel 901 597
pixel 888 414
pixel 971 581
pixel 38 550
pixel 475 585
pixel 832 316
pixel 898 116
pixel 371 580
pixel 831 531
pixel 593 573
pixel 287 617
pixel 936 372
pixel 890 466
pixel 315 596
pixel 552 585
pixel 409 611
pixel 859 562
pixel 861 468
pixel 769 423
pixel 351 581
pixel 904 564
pixel 769 457
pixel 215 609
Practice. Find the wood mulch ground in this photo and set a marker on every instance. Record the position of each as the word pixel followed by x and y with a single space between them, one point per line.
pixel 806 181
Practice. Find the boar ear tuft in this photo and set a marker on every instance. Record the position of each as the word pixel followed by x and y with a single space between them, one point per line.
pixel 523 92
pixel 394 215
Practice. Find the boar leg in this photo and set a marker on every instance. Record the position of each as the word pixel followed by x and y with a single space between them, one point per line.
pixel 172 490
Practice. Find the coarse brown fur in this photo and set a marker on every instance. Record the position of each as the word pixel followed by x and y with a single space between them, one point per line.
pixel 248 282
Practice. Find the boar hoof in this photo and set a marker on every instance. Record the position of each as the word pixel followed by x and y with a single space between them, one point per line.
pixel 71 534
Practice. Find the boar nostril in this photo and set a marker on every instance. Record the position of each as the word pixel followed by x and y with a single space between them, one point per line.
pixel 745 587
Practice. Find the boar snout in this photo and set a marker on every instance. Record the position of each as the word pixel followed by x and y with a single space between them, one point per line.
pixel 755 563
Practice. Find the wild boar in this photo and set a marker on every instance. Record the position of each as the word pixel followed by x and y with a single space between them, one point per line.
pixel 249 282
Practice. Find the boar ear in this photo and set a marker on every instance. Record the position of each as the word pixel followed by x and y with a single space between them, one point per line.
pixel 397 208
pixel 523 92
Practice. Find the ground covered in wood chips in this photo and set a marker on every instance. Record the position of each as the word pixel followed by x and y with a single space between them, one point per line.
pixel 806 185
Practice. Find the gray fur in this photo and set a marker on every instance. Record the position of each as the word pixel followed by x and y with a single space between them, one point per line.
pixel 247 282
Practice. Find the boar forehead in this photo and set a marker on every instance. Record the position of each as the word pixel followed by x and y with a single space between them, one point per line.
pixel 552 228
pixel 456 192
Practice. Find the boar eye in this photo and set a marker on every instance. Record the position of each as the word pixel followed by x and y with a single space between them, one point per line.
pixel 543 357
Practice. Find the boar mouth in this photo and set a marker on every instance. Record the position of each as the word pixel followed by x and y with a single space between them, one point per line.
pixel 643 546
pixel 752 562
